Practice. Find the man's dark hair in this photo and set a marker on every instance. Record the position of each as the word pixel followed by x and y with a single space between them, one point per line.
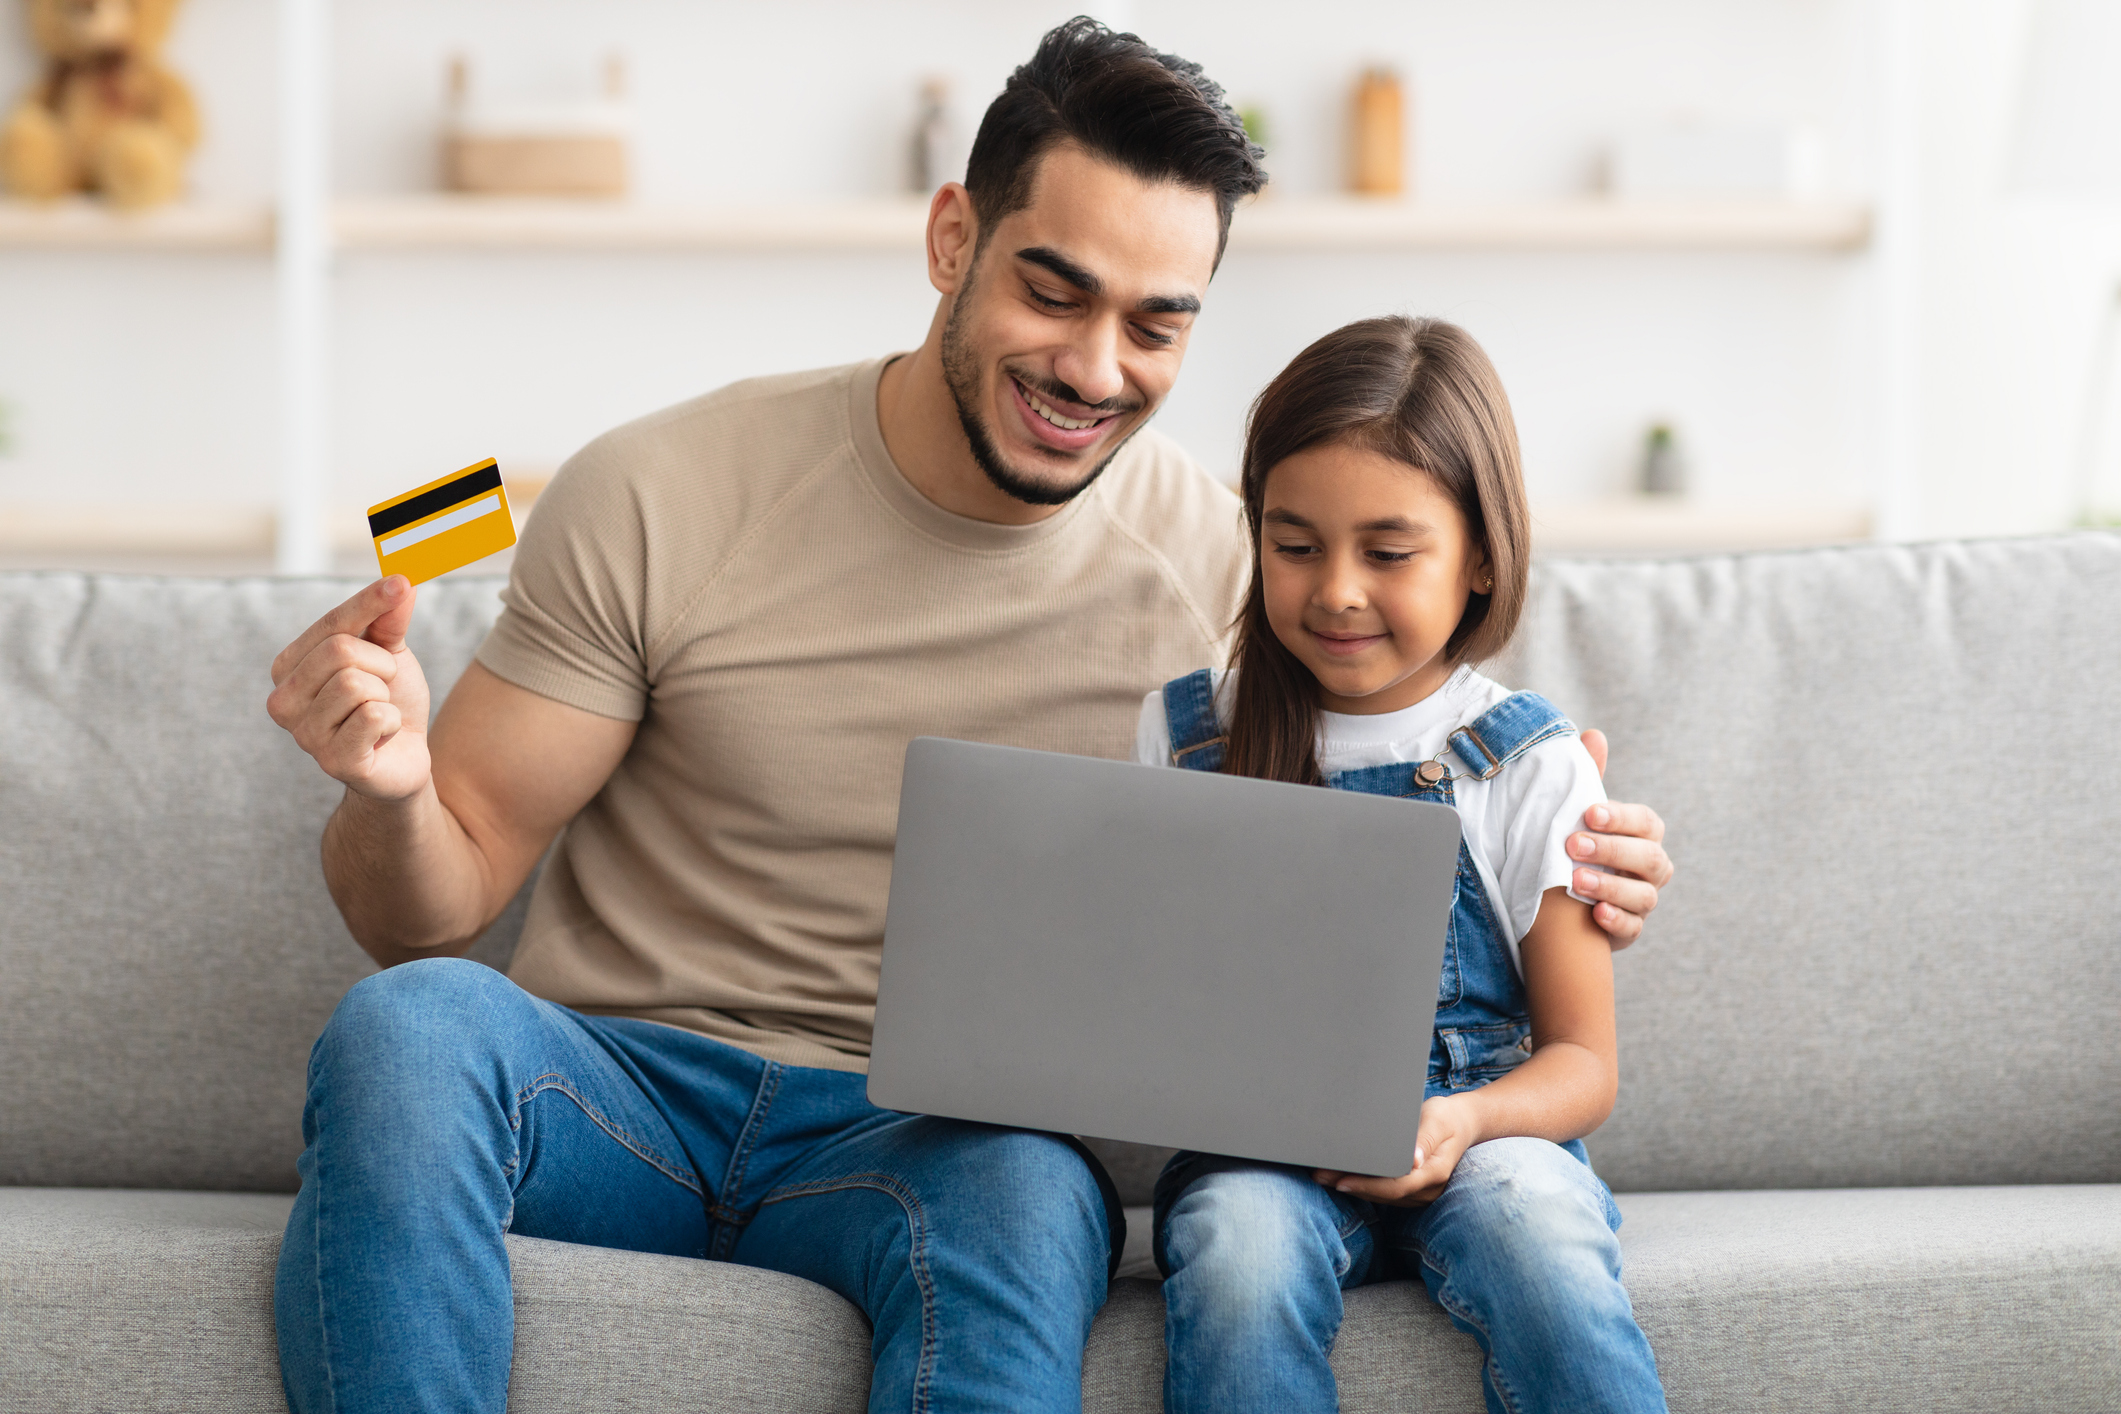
pixel 1154 114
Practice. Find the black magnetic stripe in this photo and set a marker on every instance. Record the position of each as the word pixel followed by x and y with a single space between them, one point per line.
pixel 440 499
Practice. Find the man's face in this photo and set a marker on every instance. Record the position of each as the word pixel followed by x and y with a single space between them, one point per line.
pixel 1068 332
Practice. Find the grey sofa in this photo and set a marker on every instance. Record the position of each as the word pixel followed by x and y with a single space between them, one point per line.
pixel 1869 1139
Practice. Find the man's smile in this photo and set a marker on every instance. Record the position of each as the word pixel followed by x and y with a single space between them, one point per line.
pixel 1061 426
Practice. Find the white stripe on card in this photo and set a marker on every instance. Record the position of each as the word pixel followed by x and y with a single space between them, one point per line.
pixel 462 515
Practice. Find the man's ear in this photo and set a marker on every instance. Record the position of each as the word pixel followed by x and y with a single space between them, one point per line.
pixel 953 236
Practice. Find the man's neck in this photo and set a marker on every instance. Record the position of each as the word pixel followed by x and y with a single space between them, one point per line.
pixel 927 442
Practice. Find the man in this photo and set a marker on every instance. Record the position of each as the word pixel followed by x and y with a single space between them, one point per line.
pixel 723 626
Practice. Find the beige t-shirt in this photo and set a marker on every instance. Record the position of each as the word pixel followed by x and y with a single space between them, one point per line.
pixel 749 577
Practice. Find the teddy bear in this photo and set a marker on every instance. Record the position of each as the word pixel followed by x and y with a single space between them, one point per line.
pixel 106 116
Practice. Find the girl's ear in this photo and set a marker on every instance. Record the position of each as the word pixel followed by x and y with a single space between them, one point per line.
pixel 1482 573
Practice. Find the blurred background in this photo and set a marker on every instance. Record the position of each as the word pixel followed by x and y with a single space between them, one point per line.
pixel 1756 272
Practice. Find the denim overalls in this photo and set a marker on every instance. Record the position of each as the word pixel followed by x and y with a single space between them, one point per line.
pixel 1483 1023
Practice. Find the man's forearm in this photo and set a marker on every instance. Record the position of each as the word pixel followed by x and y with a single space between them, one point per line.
pixel 408 879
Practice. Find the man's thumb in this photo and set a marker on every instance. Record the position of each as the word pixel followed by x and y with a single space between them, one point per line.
pixel 1594 742
pixel 394 597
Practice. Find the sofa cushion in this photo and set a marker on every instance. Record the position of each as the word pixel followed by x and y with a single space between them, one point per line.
pixel 130 1300
pixel 163 1301
pixel 169 947
pixel 1917 1300
pixel 1940 1299
pixel 1893 785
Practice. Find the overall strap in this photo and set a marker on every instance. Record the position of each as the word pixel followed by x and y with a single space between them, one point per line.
pixel 1506 731
pixel 1197 739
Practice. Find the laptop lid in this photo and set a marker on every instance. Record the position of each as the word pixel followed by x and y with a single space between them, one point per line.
pixel 1168 957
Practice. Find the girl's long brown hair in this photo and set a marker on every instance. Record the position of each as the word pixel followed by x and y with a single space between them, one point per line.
pixel 1422 392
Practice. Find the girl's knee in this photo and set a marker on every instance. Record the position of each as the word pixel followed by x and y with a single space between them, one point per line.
pixel 1252 1238
pixel 1527 1215
pixel 1519 1176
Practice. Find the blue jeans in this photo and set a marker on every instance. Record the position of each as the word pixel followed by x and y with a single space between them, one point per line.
pixel 1519 1249
pixel 447 1106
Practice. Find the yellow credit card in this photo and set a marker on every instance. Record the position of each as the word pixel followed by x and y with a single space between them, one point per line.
pixel 444 525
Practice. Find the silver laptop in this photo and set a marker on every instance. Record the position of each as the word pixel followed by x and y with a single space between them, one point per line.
pixel 1169 957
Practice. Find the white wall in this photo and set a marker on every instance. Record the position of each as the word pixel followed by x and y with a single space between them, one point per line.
pixel 149 378
pixel 2013 285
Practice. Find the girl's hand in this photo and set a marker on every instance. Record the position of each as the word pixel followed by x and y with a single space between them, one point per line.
pixel 1449 1127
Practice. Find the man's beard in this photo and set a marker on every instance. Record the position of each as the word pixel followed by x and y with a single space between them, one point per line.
pixel 961 376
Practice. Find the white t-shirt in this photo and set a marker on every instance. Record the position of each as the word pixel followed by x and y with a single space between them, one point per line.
pixel 1516 825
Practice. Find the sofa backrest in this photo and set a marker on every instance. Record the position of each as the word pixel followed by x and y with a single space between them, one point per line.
pixel 1891 776
pixel 167 948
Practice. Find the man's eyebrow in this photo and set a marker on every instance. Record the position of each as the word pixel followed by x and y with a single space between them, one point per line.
pixel 1049 259
pixel 1169 304
pixel 1061 265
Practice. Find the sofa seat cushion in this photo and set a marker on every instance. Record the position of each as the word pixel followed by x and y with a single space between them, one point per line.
pixel 163 1301
pixel 1757 1303
pixel 114 1299
pixel 1939 1299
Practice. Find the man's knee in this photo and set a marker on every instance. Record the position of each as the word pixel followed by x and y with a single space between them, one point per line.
pixel 415 1018
pixel 1003 1197
pixel 1025 1177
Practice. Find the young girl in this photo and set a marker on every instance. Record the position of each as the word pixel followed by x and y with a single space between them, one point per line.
pixel 1390 538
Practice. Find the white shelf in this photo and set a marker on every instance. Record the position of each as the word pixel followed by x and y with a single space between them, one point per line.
pixel 499 223
pixel 80 224
pixel 36 529
pixel 1350 224
pixel 1653 525
pixel 442 222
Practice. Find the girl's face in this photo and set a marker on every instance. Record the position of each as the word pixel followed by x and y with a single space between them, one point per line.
pixel 1366 566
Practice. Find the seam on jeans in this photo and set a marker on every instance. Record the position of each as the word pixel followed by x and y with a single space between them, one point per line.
pixel 1355 1222
pixel 1503 1392
pixel 923 1280
pixel 638 1147
pixel 723 1205
pixel 316 1237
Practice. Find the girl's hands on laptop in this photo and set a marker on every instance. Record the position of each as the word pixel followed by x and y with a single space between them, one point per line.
pixel 1447 1131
